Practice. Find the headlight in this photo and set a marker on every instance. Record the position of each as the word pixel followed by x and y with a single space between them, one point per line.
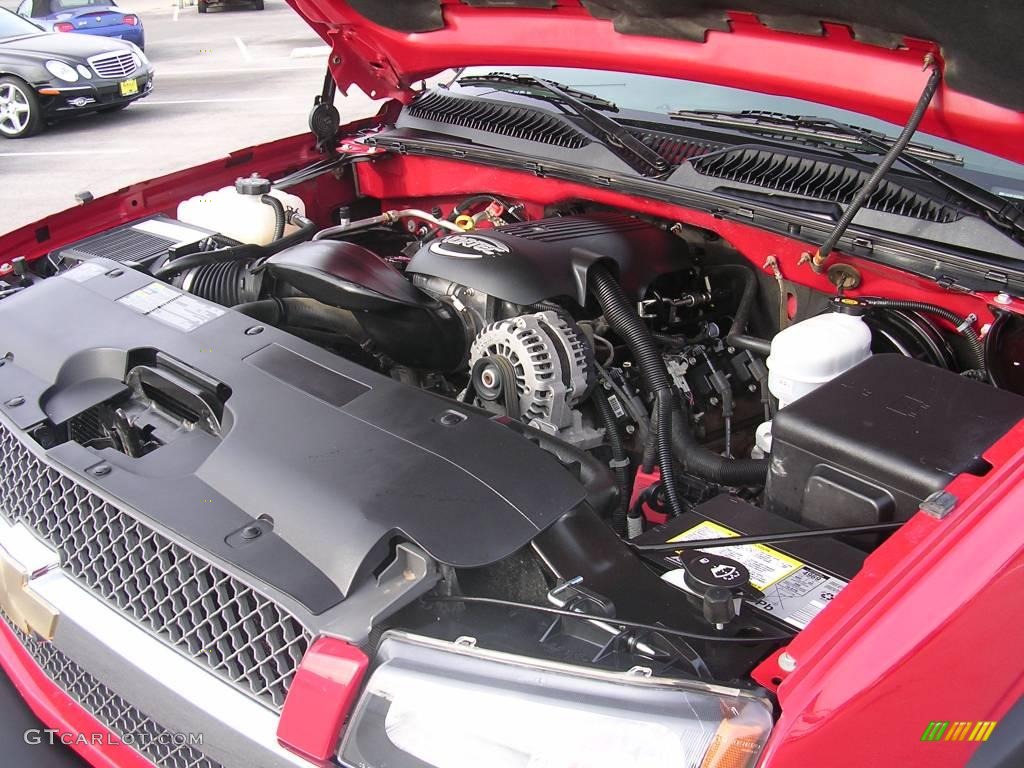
pixel 84 71
pixel 61 71
pixel 431 703
pixel 139 55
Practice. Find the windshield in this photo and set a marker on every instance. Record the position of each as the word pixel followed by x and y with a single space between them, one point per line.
pixel 12 25
pixel 70 5
pixel 664 95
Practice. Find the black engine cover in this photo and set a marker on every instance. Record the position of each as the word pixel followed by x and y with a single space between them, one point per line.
pixel 532 261
pixel 343 460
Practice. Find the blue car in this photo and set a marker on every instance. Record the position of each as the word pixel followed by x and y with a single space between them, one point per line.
pixel 93 17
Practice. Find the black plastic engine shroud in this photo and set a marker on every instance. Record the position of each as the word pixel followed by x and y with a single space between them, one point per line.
pixel 533 261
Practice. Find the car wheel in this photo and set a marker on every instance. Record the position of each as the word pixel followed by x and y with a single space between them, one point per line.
pixel 20 113
pixel 258 5
pixel 203 7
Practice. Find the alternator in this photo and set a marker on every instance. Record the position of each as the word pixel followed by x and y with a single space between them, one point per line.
pixel 546 356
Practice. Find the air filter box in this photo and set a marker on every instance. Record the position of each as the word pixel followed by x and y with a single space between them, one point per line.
pixel 138 244
pixel 873 443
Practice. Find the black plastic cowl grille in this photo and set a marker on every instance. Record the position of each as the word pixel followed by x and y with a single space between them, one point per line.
pixel 675 149
pixel 504 119
pixel 820 179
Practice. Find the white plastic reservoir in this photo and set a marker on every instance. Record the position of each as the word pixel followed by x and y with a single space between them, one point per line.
pixel 239 212
pixel 813 352
pixel 810 353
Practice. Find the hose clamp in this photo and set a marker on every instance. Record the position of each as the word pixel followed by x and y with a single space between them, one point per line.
pixel 970 320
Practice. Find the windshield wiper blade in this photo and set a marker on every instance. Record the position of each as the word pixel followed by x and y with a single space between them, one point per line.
pixel 608 129
pixel 797 126
pixel 527 85
pixel 1002 212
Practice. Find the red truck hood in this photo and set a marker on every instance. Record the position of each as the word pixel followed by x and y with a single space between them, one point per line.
pixel 865 56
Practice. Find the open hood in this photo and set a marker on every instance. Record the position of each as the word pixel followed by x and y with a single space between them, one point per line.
pixel 865 56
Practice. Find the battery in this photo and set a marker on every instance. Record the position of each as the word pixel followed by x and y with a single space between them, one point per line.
pixel 797 578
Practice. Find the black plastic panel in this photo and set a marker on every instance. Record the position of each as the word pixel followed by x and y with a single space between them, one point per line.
pixel 873 443
pixel 532 261
pixel 342 460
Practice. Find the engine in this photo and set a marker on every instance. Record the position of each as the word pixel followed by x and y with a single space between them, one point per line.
pixel 668 378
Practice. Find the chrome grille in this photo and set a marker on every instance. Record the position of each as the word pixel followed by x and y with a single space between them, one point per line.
pixel 186 602
pixel 114 65
pixel 127 722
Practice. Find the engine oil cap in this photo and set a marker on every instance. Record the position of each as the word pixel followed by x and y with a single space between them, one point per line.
pixel 847 305
pixel 252 185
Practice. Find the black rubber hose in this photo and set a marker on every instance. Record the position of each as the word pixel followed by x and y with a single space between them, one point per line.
pixel 305 231
pixel 279 214
pixel 620 460
pixel 300 312
pixel 746 303
pixel 624 320
pixel 596 477
pixel 890 157
pixel 758 346
pixel 702 462
pixel 672 419
pixel 961 324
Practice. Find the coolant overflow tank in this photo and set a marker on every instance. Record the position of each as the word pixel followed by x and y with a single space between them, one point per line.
pixel 815 351
pixel 239 212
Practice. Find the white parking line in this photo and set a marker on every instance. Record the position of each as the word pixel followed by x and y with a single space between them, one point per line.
pixel 311 52
pixel 204 101
pixel 65 152
pixel 163 73
pixel 246 56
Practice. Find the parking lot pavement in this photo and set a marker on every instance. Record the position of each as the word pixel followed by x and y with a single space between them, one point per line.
pixel 225 80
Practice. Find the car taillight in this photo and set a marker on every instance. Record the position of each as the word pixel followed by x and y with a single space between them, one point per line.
pixel 63 26
pixel 131 21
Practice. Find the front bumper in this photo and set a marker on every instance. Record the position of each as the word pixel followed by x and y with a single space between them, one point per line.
pixel 89 97
pixel 121 697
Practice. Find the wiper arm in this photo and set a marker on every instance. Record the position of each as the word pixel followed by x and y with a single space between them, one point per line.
pixel 1002 212
pixel 798 126
pixel 608 129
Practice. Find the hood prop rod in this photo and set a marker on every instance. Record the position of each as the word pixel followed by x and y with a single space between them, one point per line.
pixel 819 258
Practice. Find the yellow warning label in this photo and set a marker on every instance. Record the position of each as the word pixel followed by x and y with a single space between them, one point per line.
pixel 766 565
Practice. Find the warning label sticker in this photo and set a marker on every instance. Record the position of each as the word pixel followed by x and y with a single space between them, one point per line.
pixel 163 303
pixel 794 592
pixel 766 565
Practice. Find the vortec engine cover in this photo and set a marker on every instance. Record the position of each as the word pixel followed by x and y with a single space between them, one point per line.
pixel 532 261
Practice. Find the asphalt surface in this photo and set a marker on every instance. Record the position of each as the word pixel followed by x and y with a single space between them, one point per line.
pixel 225 80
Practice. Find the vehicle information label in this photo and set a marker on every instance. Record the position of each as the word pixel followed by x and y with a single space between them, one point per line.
pixel 163 303
pixel 794 592
pixel 84 271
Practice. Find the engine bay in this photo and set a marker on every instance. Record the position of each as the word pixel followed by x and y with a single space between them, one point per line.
pixel 570 407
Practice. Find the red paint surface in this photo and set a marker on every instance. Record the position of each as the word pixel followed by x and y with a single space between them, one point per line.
pixel 832 68
pixel 641 483
pixel 929 630
pixel 57 710
pixel 320 698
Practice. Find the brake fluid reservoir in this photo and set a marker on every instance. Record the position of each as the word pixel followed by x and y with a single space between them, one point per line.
pixel 239 212
pixel 813 352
